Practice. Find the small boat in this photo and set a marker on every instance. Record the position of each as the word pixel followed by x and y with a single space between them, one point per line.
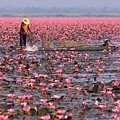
pixel 70 46
pixel 77 46
pixel 83 48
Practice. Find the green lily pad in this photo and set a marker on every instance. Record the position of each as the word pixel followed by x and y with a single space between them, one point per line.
pixel 2 105
pixel 43 111
pixel 5 88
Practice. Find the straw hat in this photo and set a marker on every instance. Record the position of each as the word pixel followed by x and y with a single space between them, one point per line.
pixel 26 21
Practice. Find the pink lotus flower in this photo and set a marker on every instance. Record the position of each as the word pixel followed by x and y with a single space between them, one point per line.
pixel 30 70
pixel 3 117
pixel 116 84
pixel 72 48
pixel 32 80
pixel 47 117
pixel 109 89
pixel 51 106
pixel 57 97
pixel 84 103
pixel 27 109
pixel 21 98
pixel 70 88
pixel 114 79
pixel 84 76
pixel 35 108
pixel 115 117
pixel 43 100
pixel 102 107
pixel 59 71
pixel 61 112
pixel 44 90
pixel 68 80
pixel 23 104
pixel 1 76
pixel 42 84
pixel 59 117
pixel 19 80
pixel 28 96
pixel 57 81
pixel 116 110
pixel 109 92
pixel 11 111
pixel 11 96
pixel 36 75
pixel 117 103
pixel 78 89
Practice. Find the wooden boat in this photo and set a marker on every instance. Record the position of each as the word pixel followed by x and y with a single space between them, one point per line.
pixel 72 46
pixel 76 46
pixel 82 48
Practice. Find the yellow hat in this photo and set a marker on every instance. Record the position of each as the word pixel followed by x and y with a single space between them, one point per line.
pixel 26 21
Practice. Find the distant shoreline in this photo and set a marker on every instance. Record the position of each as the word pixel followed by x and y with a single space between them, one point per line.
pixel 49 15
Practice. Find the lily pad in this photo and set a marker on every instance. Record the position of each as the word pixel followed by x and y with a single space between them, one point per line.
pixel 43 111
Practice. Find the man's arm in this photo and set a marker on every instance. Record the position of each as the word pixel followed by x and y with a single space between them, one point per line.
pixel 29 29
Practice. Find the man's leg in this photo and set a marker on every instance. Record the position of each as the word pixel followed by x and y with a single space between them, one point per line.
pixel 24 39
pixel 21 39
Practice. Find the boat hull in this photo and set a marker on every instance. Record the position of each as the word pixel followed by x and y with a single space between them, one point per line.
pixel 84 48
pixel 73 46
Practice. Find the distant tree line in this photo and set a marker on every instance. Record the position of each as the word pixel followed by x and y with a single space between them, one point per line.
pixel 59 12
pixel 90 10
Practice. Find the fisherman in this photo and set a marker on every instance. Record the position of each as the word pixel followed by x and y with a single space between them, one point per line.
pixel 106 43
pixel 24 31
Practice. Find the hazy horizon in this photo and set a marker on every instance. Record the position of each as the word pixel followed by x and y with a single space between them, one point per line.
pixel 61 3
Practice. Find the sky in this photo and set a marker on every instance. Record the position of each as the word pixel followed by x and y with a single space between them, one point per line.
pixel 60 3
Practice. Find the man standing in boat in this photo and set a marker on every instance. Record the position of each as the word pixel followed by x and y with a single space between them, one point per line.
pixel 106 43
pixel 24 31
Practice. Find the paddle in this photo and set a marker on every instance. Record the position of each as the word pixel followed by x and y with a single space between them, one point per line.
pixel 31 38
